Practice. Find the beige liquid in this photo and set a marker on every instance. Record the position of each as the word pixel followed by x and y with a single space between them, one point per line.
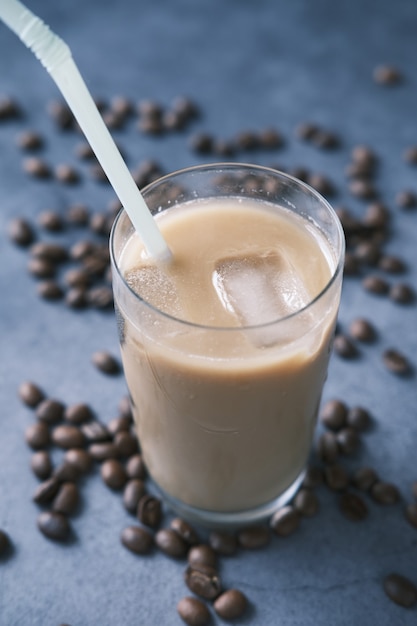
pixel 225 415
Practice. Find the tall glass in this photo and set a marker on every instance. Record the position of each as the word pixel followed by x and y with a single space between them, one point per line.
pixel 225 413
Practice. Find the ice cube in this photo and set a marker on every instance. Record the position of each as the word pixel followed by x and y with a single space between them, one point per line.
pixel 259 289
pixel 152 284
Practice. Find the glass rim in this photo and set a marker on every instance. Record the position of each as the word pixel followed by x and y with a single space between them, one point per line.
pixel 220 167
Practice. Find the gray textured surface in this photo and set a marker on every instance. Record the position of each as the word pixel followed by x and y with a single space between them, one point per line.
pixel 249 65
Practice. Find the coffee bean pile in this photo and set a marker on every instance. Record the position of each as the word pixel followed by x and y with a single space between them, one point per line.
pixel 78 275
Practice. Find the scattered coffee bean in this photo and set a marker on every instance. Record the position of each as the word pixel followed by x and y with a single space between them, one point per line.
pixel 21 232
pixel 411 513
pixel 67 499
pixel 396 362
pixel 100 297
pixel 95 432
pixel 387 75
pixel 231 604
pixel 50 290
pixel 401 293
pixel 184 530
pixel 202 555
pixel 149 511
pixel 362 330
pixel 53 252
pixel 193 611
pixel 136 539
pixel 30 394
pixel 133 491
pixel 4 543
pixel 337 477
pixel 77 215
pixel 41 268
pixel 375 285
pixel 313 477
pixel 77 414
pixel 344 347
pixel 391 264
pixel 80 459
pixel 385 493
pixel 36 167
pixel 254 537
pixel 135 467
pixel 333 414
pixel 66 472
pixel 285 521
pixel 29 140
pixel 400 590
pixel 37 436
pixel 68 436
pixel 363 189
pixel 41 464
pixel 9 108
pixel 103 451
pixel 106 363
pixel 76 298
pixel 54 525
pixel 348 441
pixel 223 543
pixel 125 407
pixel 327 447
pixel 306 502
pixel 46 491
pixel 126 443
pixel 119 424
pixel 113 474
pixel 406 199
pixel 410 155
pixel 201 143
pixel 358 418
pixel 170 543
pixel 61 114
pixel 51 220
pixel 203 580
pixel 306 131
pixel 50 411
pixel 364 478
pixel 353 507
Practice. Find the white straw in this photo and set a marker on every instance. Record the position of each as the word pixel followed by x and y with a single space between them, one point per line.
pixel 55 56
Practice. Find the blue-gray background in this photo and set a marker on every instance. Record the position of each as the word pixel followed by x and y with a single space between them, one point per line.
pixel 248 65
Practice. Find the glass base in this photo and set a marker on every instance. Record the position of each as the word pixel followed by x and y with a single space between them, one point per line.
pixel 234 519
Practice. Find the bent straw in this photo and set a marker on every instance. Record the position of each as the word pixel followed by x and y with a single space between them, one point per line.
pixel 55 56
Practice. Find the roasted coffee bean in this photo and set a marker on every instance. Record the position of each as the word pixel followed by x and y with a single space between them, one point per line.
pixel 231 604
pixel 133 491
pixel 223 147
pixel 95 432
pixel 41 464
pixel 336 477
pixel 396 362
pixel 358 418
pixel 351 264
pixel 120 105
pixel 367 252
pixel 353 507
pixel 30 394
pixel 51 220
pixel 9 108
pixel 54 525
pixel 106 363
pixel 21 232
pixel 362 330
pixel 49 290
pixel 203 580
pixel 306 130
pixel 76 298
pixel 41 268
pixel 151 125
pixel 36 167
pixel 119 424
pixel 362 189
pixel 78 214
pixel 68 436
pixel 325 139
pixel 202 554
pixel 364 155
pixel 387 75
pixel 37 436
pixel 254 537
pixel 184 530
pixel 400 590
pixel 136 539
pixel 100 297
pixel 135 467
pixel 321 184
pixel 193 612
pixel 313 477
pixel 385 493
pixel 77 414
pixel 61 114
pixel 170 543
pixel 103 451
pixel 202 143
pixel 348 441
pixel 113 474
pixel 376 215
pixel 327 447
pixel 46 491
pixel 53 252
pixel 406 199
pixel 306 502
pixel 29 140
pixel 223 543
pixel 126 443
pixel 67 499
pixel 333 414
pixel 66 472
pixel 98 174
pixel 5 543
pixel 80 459
pixel 401 293
pixel 77 278
pixel 411 513
pixel 50 411
pixel 186 107
pixel 364 478
pixel 285 521
pixel 344 347
pixel 410 155
pixel 246 140
pixel 391 264
pixel 149 511
pixel 81 249
pixel 125 407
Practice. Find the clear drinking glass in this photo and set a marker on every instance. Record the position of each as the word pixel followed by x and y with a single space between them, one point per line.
pixel 225 415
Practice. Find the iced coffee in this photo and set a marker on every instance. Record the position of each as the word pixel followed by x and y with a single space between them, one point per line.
pixel 225 348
